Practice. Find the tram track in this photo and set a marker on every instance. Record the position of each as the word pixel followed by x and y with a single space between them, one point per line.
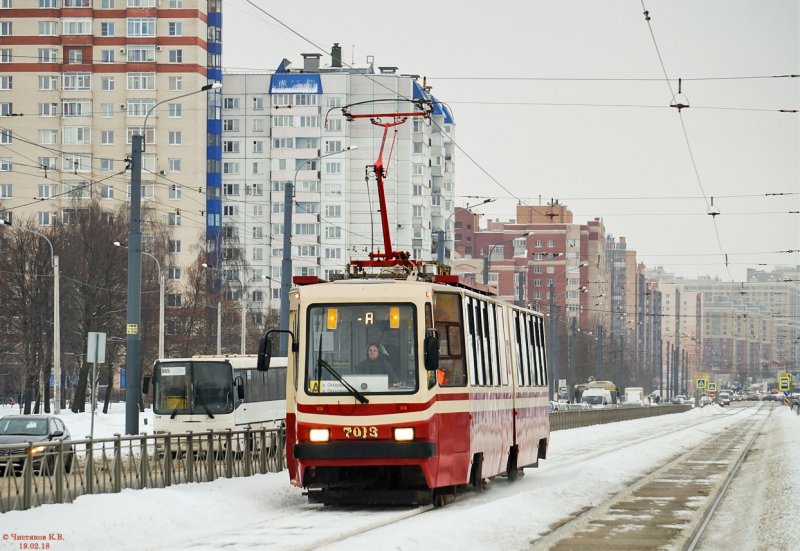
pixel 668 508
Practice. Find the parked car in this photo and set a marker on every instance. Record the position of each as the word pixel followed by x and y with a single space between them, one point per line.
pixel 724 397
pixel 679 399
pixel 39 429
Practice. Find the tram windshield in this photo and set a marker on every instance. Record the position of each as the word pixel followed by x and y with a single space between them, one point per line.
pixel 361 349
pixel 188 387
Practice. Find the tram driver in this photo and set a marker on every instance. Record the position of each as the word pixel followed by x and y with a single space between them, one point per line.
pixel 377 363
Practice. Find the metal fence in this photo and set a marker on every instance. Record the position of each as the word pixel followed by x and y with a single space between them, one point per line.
pixel 40 473
pixel 562 420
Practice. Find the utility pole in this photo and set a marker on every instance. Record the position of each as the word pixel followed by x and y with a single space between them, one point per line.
pixel 134 313
pixel 286 268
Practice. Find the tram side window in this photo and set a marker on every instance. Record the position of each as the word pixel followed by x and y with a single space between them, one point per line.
pixel 540 346
pixel 523 378
pixel 469 326
pixel 452 362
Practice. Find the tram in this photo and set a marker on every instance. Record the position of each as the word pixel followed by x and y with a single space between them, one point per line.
pixel 459 396
pixel 404 384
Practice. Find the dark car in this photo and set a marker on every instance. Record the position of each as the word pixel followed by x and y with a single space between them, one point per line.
pixel 16 431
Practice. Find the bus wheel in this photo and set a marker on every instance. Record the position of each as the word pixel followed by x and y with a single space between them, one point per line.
pixel 476 476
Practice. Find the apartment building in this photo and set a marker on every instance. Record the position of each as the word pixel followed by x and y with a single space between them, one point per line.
pixel 79 78
pixel 289 128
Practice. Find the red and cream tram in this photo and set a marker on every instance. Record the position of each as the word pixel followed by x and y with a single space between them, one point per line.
pixel 458 393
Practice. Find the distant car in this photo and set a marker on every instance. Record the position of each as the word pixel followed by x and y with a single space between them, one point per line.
pixel 724 397
pixel 38 429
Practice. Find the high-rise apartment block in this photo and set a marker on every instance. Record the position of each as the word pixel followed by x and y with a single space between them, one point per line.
pixel 78 78
pixel 289 128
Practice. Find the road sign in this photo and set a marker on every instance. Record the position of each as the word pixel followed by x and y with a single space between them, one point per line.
pixel 785 382
pixel 712 389
pixel 701 384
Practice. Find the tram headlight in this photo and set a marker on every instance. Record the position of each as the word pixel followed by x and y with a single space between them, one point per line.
pixel 404 434
pixel 319 435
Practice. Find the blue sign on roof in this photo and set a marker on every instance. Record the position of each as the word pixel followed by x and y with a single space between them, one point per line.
pixel 295 83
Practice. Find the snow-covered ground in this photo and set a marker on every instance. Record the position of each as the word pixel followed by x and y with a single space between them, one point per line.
pixel 582 470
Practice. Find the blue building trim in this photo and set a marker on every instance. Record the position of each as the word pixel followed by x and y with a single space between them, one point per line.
pixel 214 143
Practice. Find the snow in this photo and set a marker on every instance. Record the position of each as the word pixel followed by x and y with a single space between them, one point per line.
pixel 584 467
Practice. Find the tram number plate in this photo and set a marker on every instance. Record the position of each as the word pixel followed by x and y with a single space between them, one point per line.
pixel 360 432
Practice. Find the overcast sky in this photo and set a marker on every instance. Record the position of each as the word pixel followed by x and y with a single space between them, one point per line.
pixel 567 100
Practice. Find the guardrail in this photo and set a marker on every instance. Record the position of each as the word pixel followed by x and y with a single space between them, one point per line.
pixel 62 471
pixel 561 420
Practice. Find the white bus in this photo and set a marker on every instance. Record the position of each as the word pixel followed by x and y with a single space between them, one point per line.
pixel 217 393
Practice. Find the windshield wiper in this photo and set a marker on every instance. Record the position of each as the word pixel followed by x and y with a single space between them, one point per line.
pixel 359 396
pixel 205 407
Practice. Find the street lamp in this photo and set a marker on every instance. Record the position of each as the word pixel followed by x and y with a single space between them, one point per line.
pixel 56 318
pixel 491 250
pixel 286 262
pixel 442 234
pixel 161 284
pixel 132 387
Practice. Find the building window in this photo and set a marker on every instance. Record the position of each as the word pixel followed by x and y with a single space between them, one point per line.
pixel 74 56
pixel 76 26
pixel 107 165
pixel 175 28
pixel 76 108
pixel 174 246
pixel 141 81
pixel 48 55
pixel 173 219
pixel 77 81
pixel 106 28
pixel 230 125
pixel 141 26
pixel 174 165
pixel 173 300
pixel 143 53
pixel 333 167
pixel 46 137
pixel 258 146
pixel 76 135
pixel 174 191
pixel 174 273
pixel 175 137
pixel 107 137
pixel 5 55
pixel 107 56
pixel 46 218
pixel 176 84
pixel 107 83
pixel 139 107
pixel 175 110
pixel 6 191
pixel 176 56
